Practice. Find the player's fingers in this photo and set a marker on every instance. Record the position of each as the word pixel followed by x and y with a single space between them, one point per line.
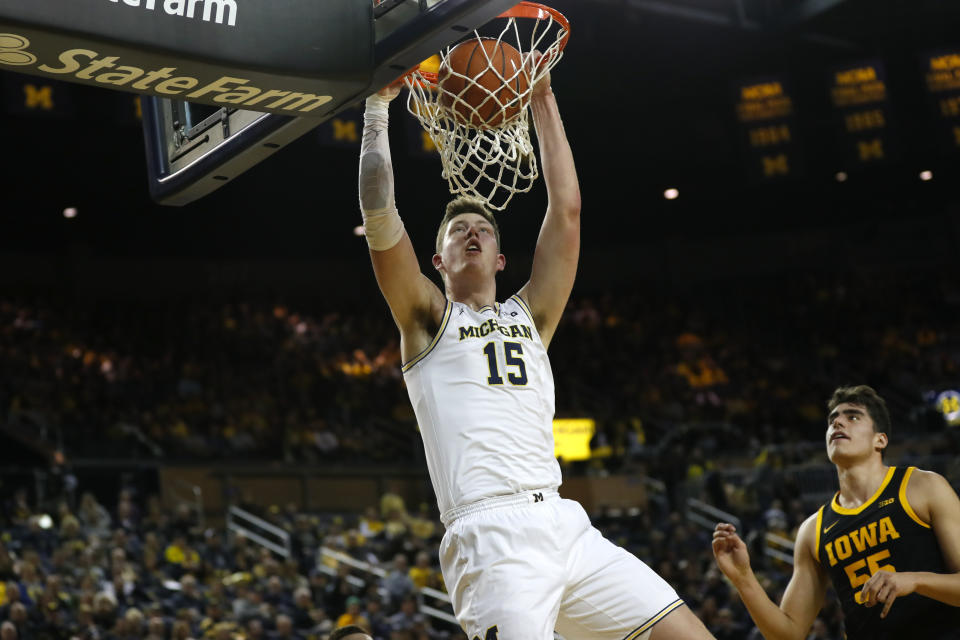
pixel 889 603
pixel 721 537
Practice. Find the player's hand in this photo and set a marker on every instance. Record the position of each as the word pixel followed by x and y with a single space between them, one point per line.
pixel 391 91
pixel 730 552
pixel 885 587
pixel 543 84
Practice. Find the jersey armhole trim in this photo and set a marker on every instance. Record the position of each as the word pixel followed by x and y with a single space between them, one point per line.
pixel 523 305
pixel 423 354
pixel 906 504
pixel 816 549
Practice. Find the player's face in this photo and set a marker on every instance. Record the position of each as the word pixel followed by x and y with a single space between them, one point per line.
pixel 470 244
pixel 851 434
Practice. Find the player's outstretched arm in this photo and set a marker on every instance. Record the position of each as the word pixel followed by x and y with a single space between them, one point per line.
pixel 558 247
pixel 803 597
pixel 410 294
pixel 935 502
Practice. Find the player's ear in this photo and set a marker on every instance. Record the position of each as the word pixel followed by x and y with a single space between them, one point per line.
pixel 881 441
pixel 437 261
pixel 501 262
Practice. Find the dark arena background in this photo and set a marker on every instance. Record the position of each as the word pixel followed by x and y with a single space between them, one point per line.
pixel 203 428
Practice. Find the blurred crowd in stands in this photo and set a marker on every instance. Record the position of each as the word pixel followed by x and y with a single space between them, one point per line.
pixel 209 380
pixel 676 379
pixel 137 570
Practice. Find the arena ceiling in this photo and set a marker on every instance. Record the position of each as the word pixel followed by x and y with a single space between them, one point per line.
pixel 646 92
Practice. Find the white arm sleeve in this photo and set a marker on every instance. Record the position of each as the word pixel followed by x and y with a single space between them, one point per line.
pixel 381 221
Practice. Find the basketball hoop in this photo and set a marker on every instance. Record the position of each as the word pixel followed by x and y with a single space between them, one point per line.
pixel 475 106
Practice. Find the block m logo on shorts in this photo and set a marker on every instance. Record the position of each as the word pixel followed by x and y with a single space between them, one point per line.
pixel 491 634
pixel 537 497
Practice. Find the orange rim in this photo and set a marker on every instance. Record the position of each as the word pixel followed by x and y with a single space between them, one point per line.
pixel 525 9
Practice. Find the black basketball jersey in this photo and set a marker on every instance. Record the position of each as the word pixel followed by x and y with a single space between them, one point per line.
pixel 883 534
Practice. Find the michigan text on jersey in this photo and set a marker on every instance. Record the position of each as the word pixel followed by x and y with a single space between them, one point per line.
pixel 491 325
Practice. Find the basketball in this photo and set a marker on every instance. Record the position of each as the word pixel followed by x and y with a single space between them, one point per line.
pixel 482 83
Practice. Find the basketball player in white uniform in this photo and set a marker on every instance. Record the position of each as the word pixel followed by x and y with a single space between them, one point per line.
pixel 518 560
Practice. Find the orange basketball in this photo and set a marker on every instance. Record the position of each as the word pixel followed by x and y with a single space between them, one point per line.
pixel 482 82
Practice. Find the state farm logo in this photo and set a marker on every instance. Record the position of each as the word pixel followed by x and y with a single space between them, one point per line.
pixel 12 50
pixel 218 11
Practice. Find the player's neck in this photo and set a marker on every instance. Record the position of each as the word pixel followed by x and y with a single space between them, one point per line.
pixel 471 294
pixel 860 481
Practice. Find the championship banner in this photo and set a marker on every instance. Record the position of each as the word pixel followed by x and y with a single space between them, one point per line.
pixel 419 142
pixel 768 134
pixel 36 97
pixel 280 56
pixel 862 116
pixel 941 74
pixel 33 96
pixel 343 130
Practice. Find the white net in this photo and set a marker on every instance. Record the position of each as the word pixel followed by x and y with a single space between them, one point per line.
pixel 479 120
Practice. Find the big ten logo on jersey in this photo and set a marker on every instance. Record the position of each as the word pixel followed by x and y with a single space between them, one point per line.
pixel 492 634
pixel 868 537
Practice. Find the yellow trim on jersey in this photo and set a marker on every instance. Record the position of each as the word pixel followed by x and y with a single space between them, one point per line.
pixel 835 504
pixel 819 525
pixel 523 305
pixel 639 631
pixel 443 327
pixel 906 503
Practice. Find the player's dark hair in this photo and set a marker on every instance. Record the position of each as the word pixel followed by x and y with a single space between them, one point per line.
pixel 466 204
pixel 348 630
pixel 867 398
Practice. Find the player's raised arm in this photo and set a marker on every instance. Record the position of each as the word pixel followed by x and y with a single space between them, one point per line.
pixel 558 247
pixel 410 294
pixel 803 597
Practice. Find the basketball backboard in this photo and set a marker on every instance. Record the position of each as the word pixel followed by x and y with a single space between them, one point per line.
pixel 193 149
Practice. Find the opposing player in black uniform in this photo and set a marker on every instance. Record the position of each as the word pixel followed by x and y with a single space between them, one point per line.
pixel 889 541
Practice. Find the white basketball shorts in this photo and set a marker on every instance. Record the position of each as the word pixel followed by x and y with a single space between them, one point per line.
pixel 518 567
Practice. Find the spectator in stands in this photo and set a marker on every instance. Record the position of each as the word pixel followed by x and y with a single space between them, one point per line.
pixel 421 573
pixel 408 617
pixel 371 525
pixel 379 625
pixel 284 629
pixel 11 596
pixel 189 596
pixel 180 557
pixel 8 631
pixel 725 627
pixel 6 563
pixel 353 615
pixel 397 582
pixel 214 557
pixel 132 628
pixel 277 595
pixel 180 630
pixel 24 627
pixel 302 608
pixel 93 516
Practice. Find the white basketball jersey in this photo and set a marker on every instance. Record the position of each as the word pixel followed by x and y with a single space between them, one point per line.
pixel 484 399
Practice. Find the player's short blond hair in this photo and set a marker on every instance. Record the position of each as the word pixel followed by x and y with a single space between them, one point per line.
pixel 466 204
